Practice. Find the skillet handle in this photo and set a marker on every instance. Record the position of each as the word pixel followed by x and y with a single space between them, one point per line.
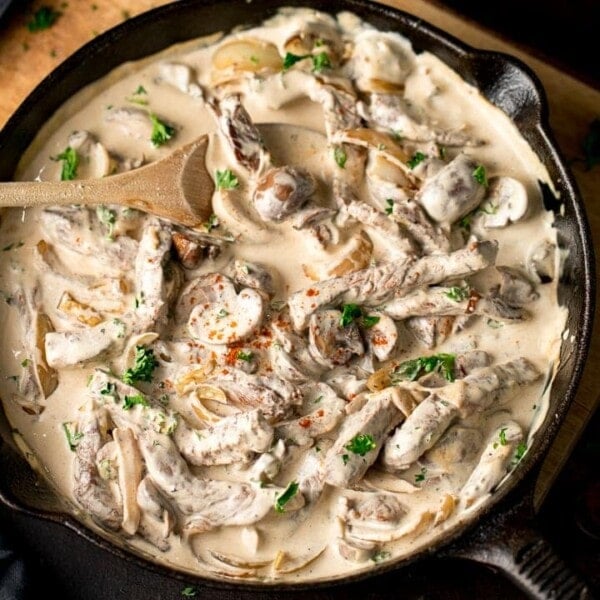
pixel 511 542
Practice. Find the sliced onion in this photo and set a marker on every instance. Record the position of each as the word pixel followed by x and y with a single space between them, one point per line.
pixel 284 563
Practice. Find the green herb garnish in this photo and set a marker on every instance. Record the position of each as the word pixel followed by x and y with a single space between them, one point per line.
pixel 419 477
pixel 345 458
pixel 361 444
pixel 502 436
pixel 13 245
pixel 321 61
pixel 494 324
pixel 70 162
pixel 161 132
pixel 130 401
pixel 480 176
pixel 340 156
pixel 43 18
pixel 389 206
pixel 226 180
pixel 245 356
pixel 286 496
pixel 350 312
pixel 188 592
pixel 380 556
pixel 520 451
pixel 369 320
pixel 212 223
pixel 143 366
pixel 458 294
pixel 140 90
pixel 222 313
pixel 289 60
pixel 110 389
pixel 25 362
pixel 107 217
pixel 410 370
pixel 73 437
pixel 417 158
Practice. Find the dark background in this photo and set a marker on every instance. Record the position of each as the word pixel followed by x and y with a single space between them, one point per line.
pixel 57 561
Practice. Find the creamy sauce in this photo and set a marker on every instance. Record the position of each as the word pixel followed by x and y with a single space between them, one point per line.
pixel 292 116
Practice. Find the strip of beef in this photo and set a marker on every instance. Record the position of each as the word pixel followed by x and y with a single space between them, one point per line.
pixel 374 285
pixel 234 439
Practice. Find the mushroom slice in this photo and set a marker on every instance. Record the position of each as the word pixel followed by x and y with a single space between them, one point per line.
pixel 98 162
pixel 494 464
pixel 203 291
pixel 331 343
pixel 130 477
pixel 238 561
pixel 218 567
pixel 382 336
pixel 241 56
pixel 356 254
pixel 81 312
pixel 286 563
pixel 255 276
pixel 356 550
pixel 267 465
pixel 452 192
pixel 505 202
pixel 282 191
pixel 231 319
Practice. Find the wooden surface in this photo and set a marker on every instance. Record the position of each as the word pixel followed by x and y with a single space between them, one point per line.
pixel 26 57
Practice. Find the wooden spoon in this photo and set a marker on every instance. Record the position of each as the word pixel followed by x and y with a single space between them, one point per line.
pixel 177 187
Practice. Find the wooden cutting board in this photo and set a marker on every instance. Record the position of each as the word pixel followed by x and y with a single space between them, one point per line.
pixel 26 58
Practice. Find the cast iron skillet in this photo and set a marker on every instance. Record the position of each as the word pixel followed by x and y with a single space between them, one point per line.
pixel 503 534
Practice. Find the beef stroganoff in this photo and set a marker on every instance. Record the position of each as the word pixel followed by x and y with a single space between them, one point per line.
pixel 347 358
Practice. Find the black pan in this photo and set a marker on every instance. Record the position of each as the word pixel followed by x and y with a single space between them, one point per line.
pixel 503 534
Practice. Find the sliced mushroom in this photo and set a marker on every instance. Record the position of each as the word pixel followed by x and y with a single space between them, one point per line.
pixel 254 275
pixel 130 477
pixel 97 161
pixel 131 122
pixel 453 192
pixel 382 336
pixel 282 191
pixel 231 318
pixel 82 313
pixel 505 202
pixel 331 343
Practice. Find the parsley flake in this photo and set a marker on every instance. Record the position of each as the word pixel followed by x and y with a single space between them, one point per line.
pixel 520 451
pixel 188 592
pixel 361 444
pixel 43 18
pixel 107 217
pixel 222 314
pixel 480 176
pixel 245 356
pixel 369 320
pixel 286 496
pixel 457 294
pixel 420 477
pixel 289 60
pixel 380 556
pixel 70 162
pixel 161 132
pixel 409 370
pixel 345 458
pixel 502 436
pixel 350 312
pixel 130 401
pixel 417 159
pixel 143 366
pixel 321 61
pixel 340 156
pixel 226 180
pixel 73 436
pixel 389 206
pixel 212 223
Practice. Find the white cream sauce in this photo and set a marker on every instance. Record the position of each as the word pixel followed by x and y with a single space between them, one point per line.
pixel 293 256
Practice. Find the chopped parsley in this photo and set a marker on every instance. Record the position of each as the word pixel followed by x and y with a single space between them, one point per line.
pixel 25 362
pixel 389 206
pixel 140 90
pixel 73 437
pixel 286 496
pixel 380 556
pixel 188 592
pixel 321 61
pixel 480 176
pixel 222 314
pixel 591 145
pixel 340 156
pixel 13 245
pixel 409 370
pixel 143 366
pixel 417 159
pixel 442 152
pixel 43 18
pixel 226 180
pixel 502 436
pixel 70 162
pixel 345 458
pixel 317 400
pixel 520 451
pixel 351 312
pixel 361 444
pixel 420 476
pixel 245 356
pixel 458 294
pixel 110 389
pixel 130 401
pixel 161 132
pixel 107 217
pixel 494 324
pixel 212 223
